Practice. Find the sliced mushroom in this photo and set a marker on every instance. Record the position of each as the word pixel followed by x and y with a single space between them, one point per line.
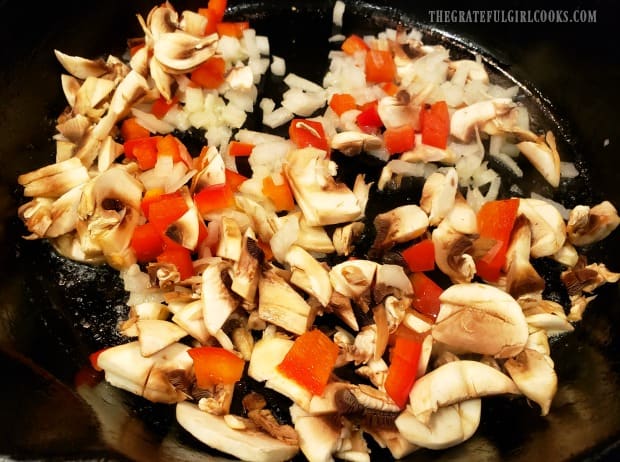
pixel 455 382
pixel 74 128
pixel 341 306
pixel 396 111
pixel 229 244
pixel 313 238
pixel 534 375
pixel 246 270
pixel 54 180
pixel 447 427
pixel 589 225
pixel 319 436
pixel 91 93
pixel 280 304
pixel 250 445
pixel 546 315
pixel 126 368
pixel 368 405
pixel 352 143
pixel 322 200
pixel 587 278
pixel 353 278
pixel 180 52
pixel 462 217
pixel 156 334
pixel 191 320
pixel 453 253
pixel 265 420
pixel 217 301
pixel 567 255
pixel 393 440
pixel 316 274
pixel 543 155
pixel 547 225
pixel 521 277
pixel 81 68
pixel 186 229
pixel 439 194
pixel 464 120
pixel 391 280
pixel 400 224
pixel 482 319
pixel 345 236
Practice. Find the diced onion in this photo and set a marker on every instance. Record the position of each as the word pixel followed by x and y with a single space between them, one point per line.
pixel 338 13
pixel 278 66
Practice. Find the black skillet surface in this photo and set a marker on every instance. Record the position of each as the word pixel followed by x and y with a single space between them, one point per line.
pixel 53 312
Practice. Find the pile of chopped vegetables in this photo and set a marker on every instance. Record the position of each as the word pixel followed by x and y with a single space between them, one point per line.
pixel 264 274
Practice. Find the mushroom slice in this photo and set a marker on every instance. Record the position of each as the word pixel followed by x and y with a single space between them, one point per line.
pixel 353 278
pixel 322 200
pixel 156 334
pixel 543 155
pixel 249 445
pixel 480 318
pixel 589 225
pixel 521 277
pixel 396 111
pixel 180 52
pixel 462 217
pixel 70 86
pixel 75 128
pixel 81 68
pixel 567 255
pixel 546 315
pixel 186 229
pixel 229 245
pixel 341 306
pixel 280 304
pixel 55 179
pixel 547 225
pixel 345 236
pixel 464 120
pixel 452 253
pixel 455 382
pixel 191 320
pixel 36 215
pixel 587 278
pixel 92 92
pixel 313 238
pixel 352 143
pixel 319 436
pixel 246 270
pixel 125 367
pixel 391 280
pixel 393 440
pixel 217 301
pixel 162 19
pixel 439 194
pixel 534 375
pixel 316 274
pixel 447 427
pixel 398 225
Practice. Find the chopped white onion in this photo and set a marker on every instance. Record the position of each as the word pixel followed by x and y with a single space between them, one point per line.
pixel 338 13
pixel 277 118
pixel 278 66
pixel 568 170
pixel 152 123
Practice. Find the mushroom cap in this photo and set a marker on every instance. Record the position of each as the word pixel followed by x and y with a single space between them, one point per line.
pixel 480 318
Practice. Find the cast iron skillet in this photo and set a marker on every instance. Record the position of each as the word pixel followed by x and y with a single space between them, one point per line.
pixel 53 313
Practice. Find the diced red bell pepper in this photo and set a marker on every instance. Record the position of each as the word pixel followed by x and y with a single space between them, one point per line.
pixel 144 150
pixel 380 66
pixel 279 194
pixel 161 106
pixel 169 146
pixel 495 221
pixel 342 102
pixel 216 365
pixel 425 294
pixel 181 258
pixel 210 74
pixel 354 44
pixel 214 197
pixel 239 149
pixel 390 88
pixel 368 120
pixel 146 242
pixel 420 256
pixel 212 20
pixel 218 7
pixel 310 361
pixel 94 357
pixel 150 196
pixel 234 179
pixel 166 209
pixel 304 133
pixel 131 129
pixel 232 29
pixel 399 139
pixel 401 375
pixel 435 124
